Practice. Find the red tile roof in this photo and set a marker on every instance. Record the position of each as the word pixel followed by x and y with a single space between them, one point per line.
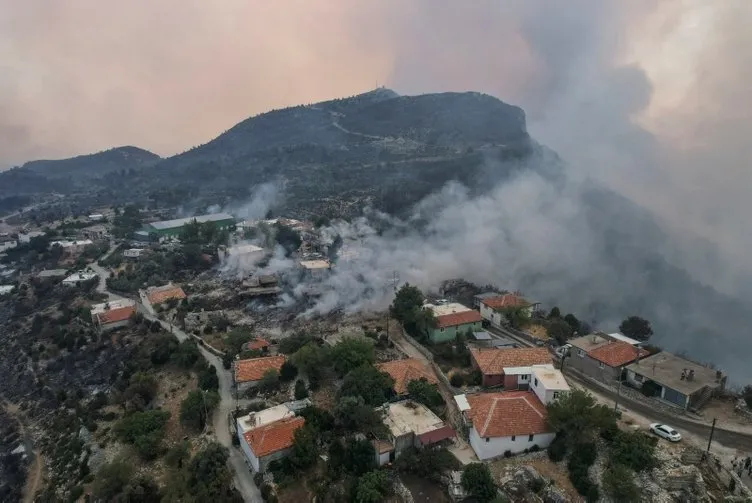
pixel 454 319
pixel 256 344
pixel 506 414
pixel 253 369
pixel 404 371
pixel 616 353
pixel 507 300
pixel 163 294
pixel 115 315
pixel 494 361
pixel 274 436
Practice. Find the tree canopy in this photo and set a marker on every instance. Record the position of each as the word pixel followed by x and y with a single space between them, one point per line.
pixel 636 328
pixel 311 359
pixel 350 353
pixel 369 383
pixel 477 481
pixel 197 407
pixel 424 392
pixel 577 416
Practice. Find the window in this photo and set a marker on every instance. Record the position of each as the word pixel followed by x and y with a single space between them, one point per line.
pixel 524 377
pixel 580 353
pixel 536 381
pixel 488 439
pixel 638 377
pixel 530 438
pixel 601 365
pixel 441 329
pixel 513 437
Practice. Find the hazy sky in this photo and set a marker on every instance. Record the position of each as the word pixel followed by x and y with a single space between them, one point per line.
pixel 658 92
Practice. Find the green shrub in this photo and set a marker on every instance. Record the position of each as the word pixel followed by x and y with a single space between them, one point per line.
pixel 557 451
pixel 457 380
pixel 584 453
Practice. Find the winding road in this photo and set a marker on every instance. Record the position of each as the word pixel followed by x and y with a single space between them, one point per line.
pixel 242 478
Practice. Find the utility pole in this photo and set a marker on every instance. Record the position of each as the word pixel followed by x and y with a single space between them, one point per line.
pixel 712 430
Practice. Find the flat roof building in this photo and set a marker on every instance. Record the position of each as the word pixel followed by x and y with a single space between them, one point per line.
pixel 173 228
pixel 681 382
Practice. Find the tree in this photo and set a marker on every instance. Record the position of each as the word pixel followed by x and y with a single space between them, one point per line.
pixel 208 477
pixel 555 313
pixel 636 328
pixel 372 487
pixel 311 359
pixel 208 379
pixel 424 392
pixel 235 339
pixel 577 416
pixel 142 489
pixel 144 430
pixel 477 481
pixel 620 485
pixel 406 301
pixel 300 390
pixel 573 322
pixel 186 354
pixel 369 383
pixel 352 414
pixel 270 380
pixel 560 330
pixel 111 479
pixel 304 448
pixel 747 395
pixel 197 407
pixel 320 419
pixel 634 450
pixel 350 353
pixel 426 463
pixel 359 456
pixel 516 316
pixel 287 371
pixel 141 390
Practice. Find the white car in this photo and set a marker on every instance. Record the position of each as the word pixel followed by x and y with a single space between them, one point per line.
pixel 665 431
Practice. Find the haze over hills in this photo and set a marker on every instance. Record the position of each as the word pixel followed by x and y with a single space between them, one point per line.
pixel 494 205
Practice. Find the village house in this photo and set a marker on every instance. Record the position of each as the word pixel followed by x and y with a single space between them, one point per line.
pixel 77 278
pixel 114 314
pixel 404 371
pixel 249 373
pixel 452 319
pixel 133 252
pixel 243 254
pixel 156 295
pixel 269 442
pixel 493 309
pixel 600 357
pixel 508 367
pixel 97 231
pixel 677 381
pixel 257 344
pixel 72 247
pixel 317 268
pixel 411 424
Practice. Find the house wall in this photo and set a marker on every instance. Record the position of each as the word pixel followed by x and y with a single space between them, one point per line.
pixel 493 380
pixel 382 459
pixel 493 317
pixel 245 386
pixel 114 325
pixel 591 366
pixel 251 458
pixel 510 382
pixel 450 333
pixel 403 442
pixel 545 395
pixel 497 446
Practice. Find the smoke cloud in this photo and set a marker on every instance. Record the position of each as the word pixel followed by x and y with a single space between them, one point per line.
pixel 646 98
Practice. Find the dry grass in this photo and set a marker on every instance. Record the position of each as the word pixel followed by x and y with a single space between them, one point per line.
pixel 552 471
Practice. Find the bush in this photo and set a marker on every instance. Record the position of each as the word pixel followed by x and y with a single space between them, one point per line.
pixel 536 485
pixel 474 378
pixel 634 450
pixel 477 481
pixel 300 390
pixel 457 380
pixel 507 453
pixel 534 448
pixel 557 450
pixel 584 453
pixel 609 432
pixel 287 372
pixel 620 485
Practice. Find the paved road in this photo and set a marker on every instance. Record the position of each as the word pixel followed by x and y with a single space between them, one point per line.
pixel 243 477
pixel 733 439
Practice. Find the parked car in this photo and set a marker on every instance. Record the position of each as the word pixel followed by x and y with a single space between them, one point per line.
pixel 665 431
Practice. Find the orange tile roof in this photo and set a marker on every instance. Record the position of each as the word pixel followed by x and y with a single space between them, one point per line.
pixel 256 344
pixel 164 294
pixel 616 353
pixel 506 414
pixel 115 315
pixel 274 436
pixel 404 371
pixel 253 369
pixel 507 300
pixel 494 361
pixel 454 319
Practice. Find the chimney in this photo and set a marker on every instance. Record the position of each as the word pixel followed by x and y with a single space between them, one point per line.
pixel 683 374
pixel 691 375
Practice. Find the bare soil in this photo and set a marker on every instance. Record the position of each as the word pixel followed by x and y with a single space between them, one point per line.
pixel 552 471
pixel 537 331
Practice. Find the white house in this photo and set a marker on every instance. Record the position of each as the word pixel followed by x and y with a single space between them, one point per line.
pixel 547 383
pixel 268 442
pixel 133 252
pixel 492 308
pixel 77 278
pixel 505 422
pixel 412 424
